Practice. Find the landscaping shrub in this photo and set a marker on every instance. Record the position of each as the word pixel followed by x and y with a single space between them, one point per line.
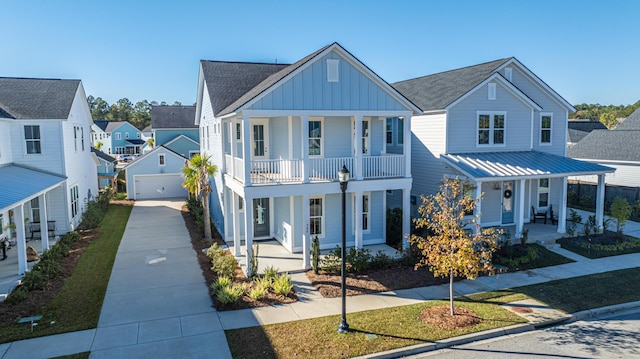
pixel 257 293
pixel 394 227
pixel 222 262
pixel 315 254
pixel 332 261
pixel 263 283
pixel 509 259
pixel 574 219
pixel 590 225
pixel 283 285
pixel 253 261
pixel 358 259
pixel 381 261
pixel 231 293
pixel 621 211
pixel 270 274
pixel 221 282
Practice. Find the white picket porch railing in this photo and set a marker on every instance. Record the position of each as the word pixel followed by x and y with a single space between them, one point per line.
pixel 383 166
pixel 326 169
pixel 276 171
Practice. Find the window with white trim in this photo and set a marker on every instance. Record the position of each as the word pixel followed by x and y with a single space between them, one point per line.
pixel 400 131
pixel 315 138
pixel 389 130
pixel 365 211
pixel 240 204
pixel 238 132
pixel 543 192
pixel 73 194
pixel 545 128
pixel 492 91
pixel 118 136
pixel 161 159
pixel 316 216
pixel 333 73
pixel 138 134
pixel 35 210
pixel 32 139
pixel 491 127
pixel 82 137
pixel 126 135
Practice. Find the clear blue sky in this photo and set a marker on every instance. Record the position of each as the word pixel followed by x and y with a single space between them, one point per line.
pixel 586 50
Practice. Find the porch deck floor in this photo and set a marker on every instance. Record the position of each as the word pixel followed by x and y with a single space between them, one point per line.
pixel 9 276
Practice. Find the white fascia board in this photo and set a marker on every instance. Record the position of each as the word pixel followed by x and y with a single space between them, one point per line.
pixel 324 113
pixel 612 162
pixel 199 94
pixel 507 85
pixel 540 84
pixel 182 136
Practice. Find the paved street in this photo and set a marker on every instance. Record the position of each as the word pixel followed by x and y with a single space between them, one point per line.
pixel 612 337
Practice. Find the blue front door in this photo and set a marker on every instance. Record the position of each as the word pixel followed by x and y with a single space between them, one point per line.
pixel 508 195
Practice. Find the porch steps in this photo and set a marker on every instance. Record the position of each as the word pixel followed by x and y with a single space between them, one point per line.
pixel 548 243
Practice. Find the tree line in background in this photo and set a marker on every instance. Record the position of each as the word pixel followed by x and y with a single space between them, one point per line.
pixel 138 114
pixel 607 114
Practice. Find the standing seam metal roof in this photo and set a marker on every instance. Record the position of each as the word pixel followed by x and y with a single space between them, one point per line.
pixel 19 183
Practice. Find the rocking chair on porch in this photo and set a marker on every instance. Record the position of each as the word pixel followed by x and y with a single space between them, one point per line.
pixel 538 215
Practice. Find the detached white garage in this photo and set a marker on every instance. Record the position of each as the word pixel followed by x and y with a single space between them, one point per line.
pixel 157 174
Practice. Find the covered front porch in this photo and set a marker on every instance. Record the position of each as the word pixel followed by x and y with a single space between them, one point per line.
pixel 516 188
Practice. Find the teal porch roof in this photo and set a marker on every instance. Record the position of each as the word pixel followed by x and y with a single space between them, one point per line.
pixel 500 166
pixel 19 183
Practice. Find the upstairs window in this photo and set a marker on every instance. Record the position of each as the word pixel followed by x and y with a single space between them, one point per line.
pixel 545 128
pixel 161 160
pixel 389 129
pixel 365 137
pixel 395 125
pixel 32 139
pixel 126 135
pixel 491 126
pixel 400 131
pixel 315 138
pixel 118 136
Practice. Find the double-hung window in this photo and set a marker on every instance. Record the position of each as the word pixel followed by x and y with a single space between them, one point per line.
pixel 545 128
pixel 491 127
pixel 394 124
pixel 315 138
pixel 543 192
pixel 73 194
pixel 35 210
pixel 389 129
pixel 32 139
pixel 161 159
pixel 316 216
pixel 365 211
pixel 118 136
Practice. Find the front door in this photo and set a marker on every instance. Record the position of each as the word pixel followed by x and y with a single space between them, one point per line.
pixel 261 217
pixel 260 139
pixel 508 195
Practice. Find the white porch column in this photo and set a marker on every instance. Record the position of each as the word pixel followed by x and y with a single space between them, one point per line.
pixel 357 147
pixel 21 240
pixel 384 134
pixel 562 211
pixel 44 226
pixel 236 223
pixel 520 211
pixel 246 148
pixel 478 199
pixel 306 236
pixel 600 202
pixel 304 145
pixel 406 217
pixel 232 147
pixel 406 147
pixel 358 219
pixel 248 232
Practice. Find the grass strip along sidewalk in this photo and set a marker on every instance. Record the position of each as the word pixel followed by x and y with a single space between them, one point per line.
pixel 77 306
pixel 400 326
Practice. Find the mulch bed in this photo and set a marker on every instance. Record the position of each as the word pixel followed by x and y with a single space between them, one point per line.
pixel 38 299
pixel 440 317
pixel 200 246
pixel 400 277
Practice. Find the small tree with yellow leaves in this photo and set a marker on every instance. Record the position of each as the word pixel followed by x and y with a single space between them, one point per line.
pixel 456 246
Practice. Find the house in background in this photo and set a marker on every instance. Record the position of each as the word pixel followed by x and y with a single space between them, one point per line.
pixel 577 130
pixel 503 130
pixel 47 174
pixel 106 167
pixel 121 137
pixel 618 148
pixel 280 133
pixel 158 173
pixel 147 134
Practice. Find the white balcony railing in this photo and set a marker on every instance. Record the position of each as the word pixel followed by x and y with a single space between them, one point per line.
pixel 319 169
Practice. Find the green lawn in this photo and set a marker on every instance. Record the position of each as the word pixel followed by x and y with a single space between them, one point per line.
pixel 78 305
pixel 393 327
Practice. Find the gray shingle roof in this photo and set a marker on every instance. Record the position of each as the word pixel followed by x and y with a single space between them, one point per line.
pixel 617 145
pixel 577 130
pixel 631 123
pixel 173 117
pixel 23 98
pixel 437 91
pixel 108 126
pixel 103 155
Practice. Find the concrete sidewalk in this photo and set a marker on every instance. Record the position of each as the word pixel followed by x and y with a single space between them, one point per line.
pixel 157 303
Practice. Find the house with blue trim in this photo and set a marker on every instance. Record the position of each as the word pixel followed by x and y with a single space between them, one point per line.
pixel 280 133
pixel 47 172
pixel 117 137
pixel 106 167
pixel 502 130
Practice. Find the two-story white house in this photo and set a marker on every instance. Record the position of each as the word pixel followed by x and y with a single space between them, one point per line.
pixel 47 172
pixel 280 133
pixel 502 129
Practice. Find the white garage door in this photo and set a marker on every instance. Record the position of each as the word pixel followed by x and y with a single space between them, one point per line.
pixel 159 186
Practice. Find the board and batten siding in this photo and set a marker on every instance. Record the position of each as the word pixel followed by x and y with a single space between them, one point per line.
pixel 462 122
pixel 310 90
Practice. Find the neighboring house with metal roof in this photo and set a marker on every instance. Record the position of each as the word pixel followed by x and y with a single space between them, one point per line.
pixel 618 148
pixel 117 137
pixel 280 133
pixel 577 130
pixel 47 173
pixel 502 129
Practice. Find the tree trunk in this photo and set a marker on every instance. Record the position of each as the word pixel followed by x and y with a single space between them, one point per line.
pixel 207 218
pixel 451 290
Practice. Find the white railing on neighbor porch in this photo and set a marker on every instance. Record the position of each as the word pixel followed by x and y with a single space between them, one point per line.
pixel 276 171
pixel 383 166
pixel 326 169
pixel 319 169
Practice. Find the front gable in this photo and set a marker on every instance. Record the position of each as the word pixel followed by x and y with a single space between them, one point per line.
pixel 333 80
pixel 183 145
pixel 150 162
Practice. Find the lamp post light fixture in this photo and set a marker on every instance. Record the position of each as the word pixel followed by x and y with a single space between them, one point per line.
pixel 343 177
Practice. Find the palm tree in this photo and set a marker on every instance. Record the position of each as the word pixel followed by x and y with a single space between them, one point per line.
pixel 196 173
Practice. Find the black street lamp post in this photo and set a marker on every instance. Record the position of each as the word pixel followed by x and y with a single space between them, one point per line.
pixel 343 177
